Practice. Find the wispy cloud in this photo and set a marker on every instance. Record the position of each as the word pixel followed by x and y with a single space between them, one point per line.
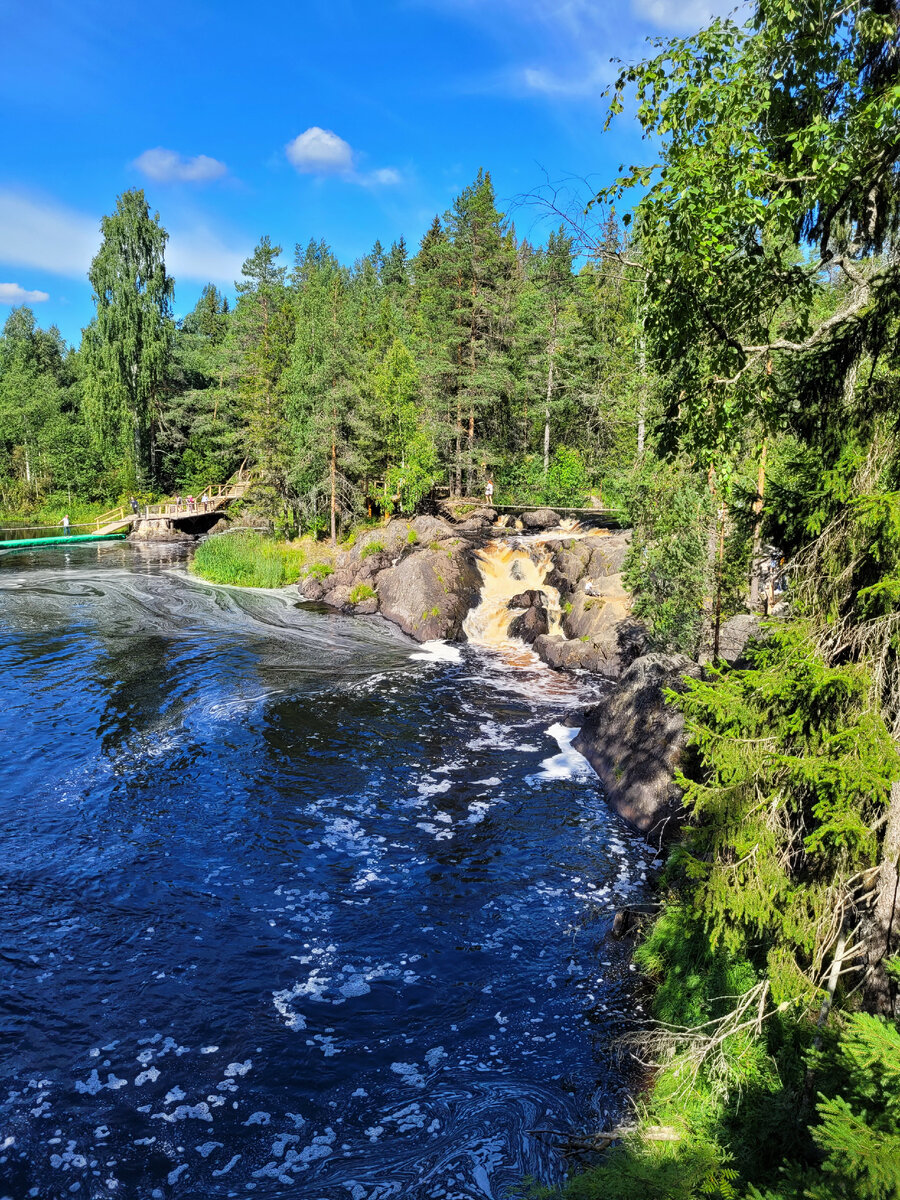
pixel 682 16
pixel 322 152
pixel 47 235
pixel 168 166
pixel 564 49
pixel 11 293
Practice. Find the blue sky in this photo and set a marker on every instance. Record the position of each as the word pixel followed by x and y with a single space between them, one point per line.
pixel 341 119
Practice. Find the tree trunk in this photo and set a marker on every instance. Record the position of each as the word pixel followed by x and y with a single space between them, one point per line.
pixel 757 558
pixel 547 415
pixel 720 557
pixel 458 472
pixel 883 936
pixel 333 488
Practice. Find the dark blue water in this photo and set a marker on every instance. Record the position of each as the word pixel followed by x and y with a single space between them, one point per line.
pixel 288 905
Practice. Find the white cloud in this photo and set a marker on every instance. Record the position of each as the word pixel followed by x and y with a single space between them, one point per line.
pixel 320 152
pixel 383 177
pixel 585 82
pixel 681 16
pixel 168 166
pixel 46 235
pixel 11 293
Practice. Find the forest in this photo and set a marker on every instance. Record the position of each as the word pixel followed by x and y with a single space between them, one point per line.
pixel 481 354
pixel 722 361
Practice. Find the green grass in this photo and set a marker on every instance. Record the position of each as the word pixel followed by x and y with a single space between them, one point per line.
pixel 361 592
pixel 248 560
pixel 319 570
pixel 412 537
pixel 372 548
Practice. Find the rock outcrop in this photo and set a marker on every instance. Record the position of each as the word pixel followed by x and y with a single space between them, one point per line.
pixel 420 574
pixel 598 632
pixel 634 742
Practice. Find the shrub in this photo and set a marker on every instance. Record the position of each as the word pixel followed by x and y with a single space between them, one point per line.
pixel 412 537
pixel 361 592
pixel 372 548
pixel 248 560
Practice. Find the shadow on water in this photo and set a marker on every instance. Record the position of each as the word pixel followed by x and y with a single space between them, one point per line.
pixel 288 905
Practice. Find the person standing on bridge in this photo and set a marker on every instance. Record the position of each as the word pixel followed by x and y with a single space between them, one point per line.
pixel 65 525
pixel 134 505
pixel 204 500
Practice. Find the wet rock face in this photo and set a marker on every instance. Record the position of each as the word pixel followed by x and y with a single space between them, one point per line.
pixel 429 593
pixel 634 742
pixel 528 599
pixel 540 518
pixel 598 632
pixel 734 635
pixel 531 624
pixel 158 531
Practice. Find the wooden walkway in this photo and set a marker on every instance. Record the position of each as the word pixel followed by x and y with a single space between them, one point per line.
pixel 601 515
pixel 169 510
pixel 121 519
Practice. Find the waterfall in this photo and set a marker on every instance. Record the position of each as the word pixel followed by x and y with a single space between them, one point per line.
pixel 507 568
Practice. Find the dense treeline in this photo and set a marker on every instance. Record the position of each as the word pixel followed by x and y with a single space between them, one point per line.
pixel 480 354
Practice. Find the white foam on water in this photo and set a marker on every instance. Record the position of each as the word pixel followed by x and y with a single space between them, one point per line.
pixel 568 764
pixel 437 651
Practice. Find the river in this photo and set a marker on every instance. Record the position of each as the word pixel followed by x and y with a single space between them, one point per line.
pixel 289 905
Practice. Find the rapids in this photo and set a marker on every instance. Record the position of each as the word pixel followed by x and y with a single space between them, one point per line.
pixel 291 906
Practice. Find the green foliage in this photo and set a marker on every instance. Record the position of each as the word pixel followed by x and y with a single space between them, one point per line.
pixel 668 567
pixel 360 592
pixel 795 769
pixel 859 1112
pixel 248 560
pixel 567 482
pixel 127 346
pixel 320 570
pixel 412 537
pixel 371 548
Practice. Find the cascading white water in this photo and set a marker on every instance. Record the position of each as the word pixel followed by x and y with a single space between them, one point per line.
pixel 508 568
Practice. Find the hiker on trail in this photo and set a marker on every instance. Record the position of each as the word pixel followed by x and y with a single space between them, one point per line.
pixel 65 525
pixel 134 505
pixel 489 490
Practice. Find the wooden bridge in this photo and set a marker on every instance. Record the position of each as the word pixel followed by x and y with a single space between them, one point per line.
pixel 171 511
pixel 119 521
pixel 596 516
